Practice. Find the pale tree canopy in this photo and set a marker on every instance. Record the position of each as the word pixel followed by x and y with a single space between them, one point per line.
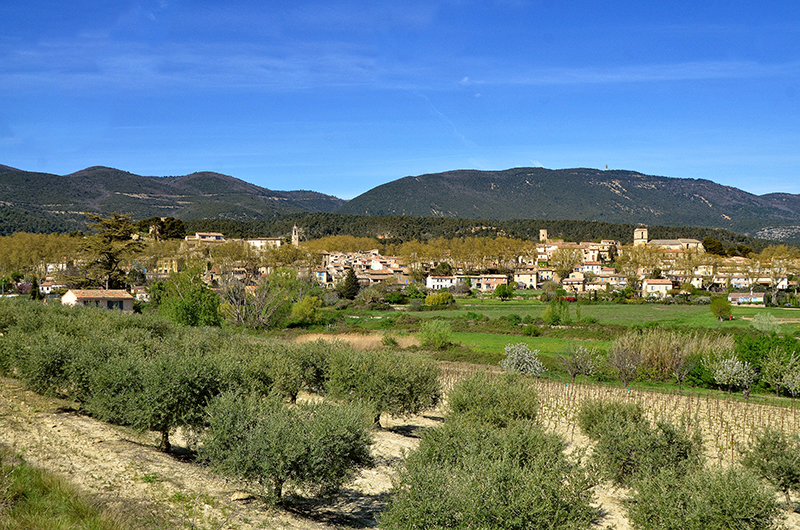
pixel 564 260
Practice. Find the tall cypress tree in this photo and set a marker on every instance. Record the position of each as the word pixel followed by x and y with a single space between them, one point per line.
pixel 35 294
pixel 350 285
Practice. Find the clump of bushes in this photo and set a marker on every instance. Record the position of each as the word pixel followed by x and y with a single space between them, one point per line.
pixel 491 466
pixel 436 334
pixel 775 456
pixel 398 383
pixel 628 447
pixel 318 447
pixel 705 499
pixel 441 298
pixel 497 400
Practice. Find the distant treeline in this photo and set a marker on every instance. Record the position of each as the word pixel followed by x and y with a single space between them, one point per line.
pixel 34 220
pixel 398 229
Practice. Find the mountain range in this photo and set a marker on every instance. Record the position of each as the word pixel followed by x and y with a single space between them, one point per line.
pixel 613 196
pixel 46 202
pixel 59 203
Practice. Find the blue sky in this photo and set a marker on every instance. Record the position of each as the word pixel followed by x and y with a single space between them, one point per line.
pixel 340 97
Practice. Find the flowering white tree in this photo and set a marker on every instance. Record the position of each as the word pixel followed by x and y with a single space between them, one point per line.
pixel 731 372
pixel 583 361
pixel 791 378
pixel 520 358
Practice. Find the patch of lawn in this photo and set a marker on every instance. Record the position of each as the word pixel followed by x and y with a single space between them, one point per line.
pixel 549 348
pixel 33 498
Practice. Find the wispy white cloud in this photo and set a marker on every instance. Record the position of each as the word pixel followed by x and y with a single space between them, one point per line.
pixel 98 62
pixel 700 70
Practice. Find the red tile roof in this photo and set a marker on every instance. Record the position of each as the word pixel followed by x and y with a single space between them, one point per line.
pixel 101 294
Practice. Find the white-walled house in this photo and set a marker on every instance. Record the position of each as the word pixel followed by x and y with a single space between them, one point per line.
pixel 437 283
pixel 655 288
pixel 107 298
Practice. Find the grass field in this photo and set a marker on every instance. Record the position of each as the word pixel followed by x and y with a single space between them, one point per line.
pixel 627 315
pixel 33 498
pixel 548 347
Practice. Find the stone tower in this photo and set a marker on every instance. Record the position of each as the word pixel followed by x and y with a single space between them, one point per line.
pixel 639 237
pixel 543 235
pixel 295 236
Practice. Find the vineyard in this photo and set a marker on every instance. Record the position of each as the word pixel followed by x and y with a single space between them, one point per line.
pixel 258 432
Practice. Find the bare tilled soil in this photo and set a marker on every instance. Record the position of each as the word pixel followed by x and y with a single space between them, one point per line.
pixel 124 471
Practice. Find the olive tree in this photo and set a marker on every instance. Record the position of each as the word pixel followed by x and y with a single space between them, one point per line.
pixel 396 383
pixel 475 475
pixel 176 387
pixel 497 401
pixel 775 456
pixel 706 499
pixel 266 442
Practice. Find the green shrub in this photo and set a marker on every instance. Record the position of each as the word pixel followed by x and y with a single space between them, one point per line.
pixel 436 334
pixel 775 456
pixel 594 414
pixel 397 383
pixel 176 386
pixel 306 311
pixel 472 475
pixel 628 447
pixel 268 443
pixel 440 298
pixel 629 452
pixel 42 359
pixel 531 331
pixel 715 499
pixel 187 300
pixel 497 401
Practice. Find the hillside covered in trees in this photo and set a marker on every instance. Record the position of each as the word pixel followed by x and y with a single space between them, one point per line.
pixel 400 228
pixel 43 202
pixel 613 196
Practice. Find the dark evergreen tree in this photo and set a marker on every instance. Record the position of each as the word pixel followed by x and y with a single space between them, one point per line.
pixel 108 247
pixel 350 286
pixel 35 294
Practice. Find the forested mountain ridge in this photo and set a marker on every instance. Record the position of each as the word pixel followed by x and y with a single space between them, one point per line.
pixel 395 229
pixel 58 203
pixel 614 196
pixel 42 202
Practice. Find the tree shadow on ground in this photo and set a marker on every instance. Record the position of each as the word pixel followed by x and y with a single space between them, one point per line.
pixel 352 509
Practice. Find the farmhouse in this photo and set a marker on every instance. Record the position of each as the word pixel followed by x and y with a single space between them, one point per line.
pixel 655 288
pixel 746 298
pixel 108 298
pixel 206 237
pixel 437 283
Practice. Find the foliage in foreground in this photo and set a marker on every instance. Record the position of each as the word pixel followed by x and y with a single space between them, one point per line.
pixel 496 401
pixel 396 383
pixel 33 498
pixel 475 475
pixel 263 440
pixel 714 499
pixel 628 447
pixel 775 457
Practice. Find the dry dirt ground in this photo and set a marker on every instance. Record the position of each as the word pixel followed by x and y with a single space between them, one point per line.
pixel 123 470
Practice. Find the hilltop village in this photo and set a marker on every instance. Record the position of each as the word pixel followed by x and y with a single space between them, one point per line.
pixel 659 269
pixel 655 268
